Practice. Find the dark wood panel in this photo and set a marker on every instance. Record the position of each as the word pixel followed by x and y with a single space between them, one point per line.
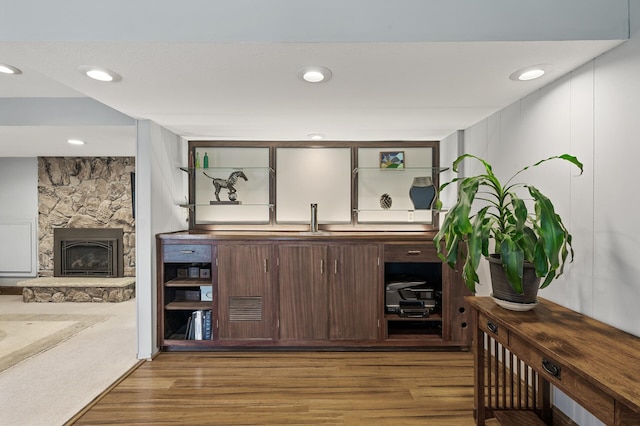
pixel 303 292
pixel 456 312
pixel 245 271
pixel 354 282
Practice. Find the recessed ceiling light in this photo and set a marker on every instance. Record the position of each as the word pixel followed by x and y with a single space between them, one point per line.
pixel 100 74
pixel 75 141
pixel 315 136
pixel 8 69
pixel 315 74
pixel 530 73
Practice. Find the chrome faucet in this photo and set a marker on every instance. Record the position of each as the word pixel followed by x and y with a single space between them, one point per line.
pixel 314 218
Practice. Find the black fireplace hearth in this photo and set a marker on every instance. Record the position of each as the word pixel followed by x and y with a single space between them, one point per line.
pixel 96 252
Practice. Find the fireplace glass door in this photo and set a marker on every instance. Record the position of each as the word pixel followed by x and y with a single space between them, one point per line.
pixel 88 258
pixel 94 252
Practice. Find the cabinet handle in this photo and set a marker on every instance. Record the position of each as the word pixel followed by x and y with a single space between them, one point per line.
pixel 265 266
pixel 414 252
pixel 321 266
pixel 492 327
pixel 335 267
pixel 551 368
pixel 186 251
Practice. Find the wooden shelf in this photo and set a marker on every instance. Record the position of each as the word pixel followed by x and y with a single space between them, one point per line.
pixel 415 337
pixel 188 282
pixel 432 317
pixel 188 305
pixel 518 418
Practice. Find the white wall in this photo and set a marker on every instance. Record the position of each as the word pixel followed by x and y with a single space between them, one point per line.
pixel 593 114
pixel 160 187
pixel 19 201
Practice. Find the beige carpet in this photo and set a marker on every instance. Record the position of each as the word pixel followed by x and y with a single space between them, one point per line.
pixel 50 387
pixel 25 335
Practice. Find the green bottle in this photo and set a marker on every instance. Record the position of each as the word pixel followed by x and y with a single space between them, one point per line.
pixel 206 161
pixel 197 160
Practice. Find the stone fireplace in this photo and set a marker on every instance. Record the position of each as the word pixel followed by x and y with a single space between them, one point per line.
pixel 82 193
pixel 90 252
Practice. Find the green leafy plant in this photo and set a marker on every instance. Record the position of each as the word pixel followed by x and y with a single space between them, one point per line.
pixel 520 235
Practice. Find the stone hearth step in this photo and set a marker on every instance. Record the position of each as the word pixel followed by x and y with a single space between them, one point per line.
pixel 78 289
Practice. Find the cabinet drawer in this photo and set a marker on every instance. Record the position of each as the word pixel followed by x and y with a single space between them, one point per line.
pixel 584 393
pixel 410 253
pixel 187 253
pixel 492 329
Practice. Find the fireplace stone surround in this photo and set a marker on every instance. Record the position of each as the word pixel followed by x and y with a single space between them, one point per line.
pixel 84 192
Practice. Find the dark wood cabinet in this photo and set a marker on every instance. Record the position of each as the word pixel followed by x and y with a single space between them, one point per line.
pixel 245 291
pixel 449 323
pixel 283 289
pixel 354 304
pixel 328 292
pixel 303 292
pixel 185 273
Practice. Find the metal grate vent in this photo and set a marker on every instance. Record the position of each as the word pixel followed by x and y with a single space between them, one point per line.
pixel 245 308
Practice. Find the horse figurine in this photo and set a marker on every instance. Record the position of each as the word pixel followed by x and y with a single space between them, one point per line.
pixel 229 183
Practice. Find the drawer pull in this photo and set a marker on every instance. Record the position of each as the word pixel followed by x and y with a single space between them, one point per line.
pixel 186 251
pixel 551 368
pixel 492 327
pixel 414 252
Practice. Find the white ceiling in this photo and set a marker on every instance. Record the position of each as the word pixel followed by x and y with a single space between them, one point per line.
pixel 407 90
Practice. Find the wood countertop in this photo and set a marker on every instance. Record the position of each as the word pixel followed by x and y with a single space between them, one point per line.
pixel 421 236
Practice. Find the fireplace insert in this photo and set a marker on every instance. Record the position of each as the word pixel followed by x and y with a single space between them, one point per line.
pixel 94 252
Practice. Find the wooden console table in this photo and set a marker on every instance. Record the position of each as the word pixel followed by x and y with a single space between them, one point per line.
pixel 518 355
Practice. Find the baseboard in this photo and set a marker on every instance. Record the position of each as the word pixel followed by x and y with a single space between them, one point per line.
pixel 10 290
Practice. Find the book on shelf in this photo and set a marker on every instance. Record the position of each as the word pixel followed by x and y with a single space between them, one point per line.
pixel 207 325
pixel 187 333
pixel 199 325
pixel 197 321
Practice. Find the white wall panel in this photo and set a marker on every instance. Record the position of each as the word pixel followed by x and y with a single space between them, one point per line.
pixel 18 219
pixel 577 287
pixel 18 248
pixel 616 204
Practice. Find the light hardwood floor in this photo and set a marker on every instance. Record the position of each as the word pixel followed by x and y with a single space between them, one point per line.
pixel 285 388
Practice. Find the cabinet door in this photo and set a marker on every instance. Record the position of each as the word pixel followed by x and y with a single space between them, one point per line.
pixel 245 289
pixel 354 283
pixel 304 292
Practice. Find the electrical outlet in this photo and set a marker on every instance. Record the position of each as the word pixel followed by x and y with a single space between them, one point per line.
pixel 410 216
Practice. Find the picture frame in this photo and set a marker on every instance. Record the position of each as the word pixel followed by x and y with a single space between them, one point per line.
pixel 392 160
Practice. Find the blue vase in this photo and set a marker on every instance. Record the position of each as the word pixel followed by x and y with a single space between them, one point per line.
pixel 422 193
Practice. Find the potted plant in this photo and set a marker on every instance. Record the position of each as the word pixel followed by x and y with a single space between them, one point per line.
pixel 530 242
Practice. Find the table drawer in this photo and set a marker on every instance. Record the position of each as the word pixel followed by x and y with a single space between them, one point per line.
pixel 492 329
pixel 584 393
pixel 187 253
pixel 410 253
